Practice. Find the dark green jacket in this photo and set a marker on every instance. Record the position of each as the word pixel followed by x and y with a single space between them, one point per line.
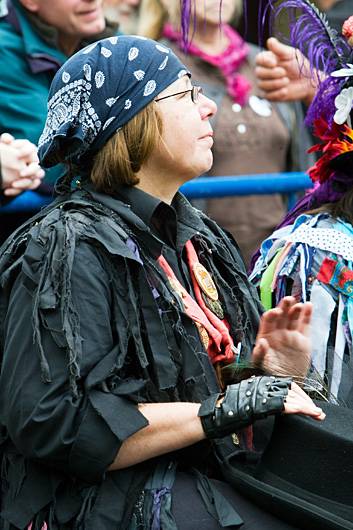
pixel 28 64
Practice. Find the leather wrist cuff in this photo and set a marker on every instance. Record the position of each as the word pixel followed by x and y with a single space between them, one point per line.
pixel 243 403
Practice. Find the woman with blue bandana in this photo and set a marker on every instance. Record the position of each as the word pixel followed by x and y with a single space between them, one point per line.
pixel 125 312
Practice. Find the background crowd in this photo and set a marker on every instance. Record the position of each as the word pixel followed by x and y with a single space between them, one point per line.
pixel 269 137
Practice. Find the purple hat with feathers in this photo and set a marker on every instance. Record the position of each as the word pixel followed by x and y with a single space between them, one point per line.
pixel 330 56
pixel 326 50
pixel 330 113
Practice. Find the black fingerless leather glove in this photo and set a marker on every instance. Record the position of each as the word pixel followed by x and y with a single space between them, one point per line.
pixel 243 403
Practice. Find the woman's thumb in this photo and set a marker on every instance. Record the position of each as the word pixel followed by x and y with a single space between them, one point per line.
pixel 282 51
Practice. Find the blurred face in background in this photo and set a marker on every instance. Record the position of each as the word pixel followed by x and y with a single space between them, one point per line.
pixel 325 5
pixel 127 7
pixel 74 19
pixel 208 12
pixel 124 12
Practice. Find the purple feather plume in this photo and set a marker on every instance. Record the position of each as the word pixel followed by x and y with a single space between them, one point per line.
pixel 325 49
pixel 311 33
pixel 185 9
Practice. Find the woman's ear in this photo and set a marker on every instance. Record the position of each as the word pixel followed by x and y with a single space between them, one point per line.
pixel 31 5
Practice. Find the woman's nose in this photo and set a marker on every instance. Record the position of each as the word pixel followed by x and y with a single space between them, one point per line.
pixel 208 107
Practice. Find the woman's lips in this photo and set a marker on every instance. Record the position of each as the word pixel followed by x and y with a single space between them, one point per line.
pixel 92 14
pixel 208 138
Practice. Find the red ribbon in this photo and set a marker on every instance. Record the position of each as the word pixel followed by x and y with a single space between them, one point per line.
pixel 221 345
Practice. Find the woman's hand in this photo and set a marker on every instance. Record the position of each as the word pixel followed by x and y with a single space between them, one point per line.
pixel 282 345
pixel 283 73
pixel 298 402
pixel 20 168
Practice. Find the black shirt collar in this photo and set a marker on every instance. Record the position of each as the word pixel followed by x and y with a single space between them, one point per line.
pixel 156 220
pixel 142 204
pixel 159 216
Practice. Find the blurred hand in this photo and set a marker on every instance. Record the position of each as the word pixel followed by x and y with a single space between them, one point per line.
pixel 282 344
pixel 19 164
pixel 283 73
pixel 298 402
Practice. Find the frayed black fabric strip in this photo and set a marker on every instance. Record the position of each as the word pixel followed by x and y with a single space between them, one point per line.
pixel 57 236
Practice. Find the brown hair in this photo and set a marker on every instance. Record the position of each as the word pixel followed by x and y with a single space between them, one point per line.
pixel 342 209
pixel 123 155
pixel 152 17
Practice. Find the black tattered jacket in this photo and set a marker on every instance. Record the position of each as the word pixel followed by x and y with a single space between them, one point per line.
pixel 90 328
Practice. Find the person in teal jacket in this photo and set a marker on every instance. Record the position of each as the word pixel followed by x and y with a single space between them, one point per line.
pixel 36 38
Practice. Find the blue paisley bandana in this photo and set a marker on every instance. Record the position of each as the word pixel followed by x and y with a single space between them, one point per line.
pixel 101 88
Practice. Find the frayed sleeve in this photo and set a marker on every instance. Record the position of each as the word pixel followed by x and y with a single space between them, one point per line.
pixel 75 432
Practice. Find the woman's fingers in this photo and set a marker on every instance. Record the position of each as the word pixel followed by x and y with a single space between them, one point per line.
pixel 268 74
pixel 297 390
pixel 260 350
pixel 270 320
pixel 268 85
pixel 280 317
pixel 35 183
pixel 281 51
pixel 268 61
pixel 297 403
pixel 294 317
pixel 12 192
pixel 277 95
pixel 25 151
pixel 18 186
pixel 32 170
pixel 6 138
pixel 305 318
pixel 21 184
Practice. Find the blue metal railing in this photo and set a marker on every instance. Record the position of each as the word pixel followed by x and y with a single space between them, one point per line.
pixel 28 201
pixel 204 187
pixel 286 183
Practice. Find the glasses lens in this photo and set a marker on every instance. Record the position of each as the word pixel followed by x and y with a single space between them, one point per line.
pixel 196 91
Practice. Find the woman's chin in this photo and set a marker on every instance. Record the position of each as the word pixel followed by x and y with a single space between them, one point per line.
pixel 208 163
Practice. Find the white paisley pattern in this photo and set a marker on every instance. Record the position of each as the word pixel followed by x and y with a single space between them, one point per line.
pixel 103 91
pixel 139 74
pixel 164 63
pixel 111 101
pixel 87 70
pixel 162 48
pixel 108 122
pixel 105 52
pixel 71 104
pixel 99 79
pixel 89 48
pixel 150 87
pixel 133 53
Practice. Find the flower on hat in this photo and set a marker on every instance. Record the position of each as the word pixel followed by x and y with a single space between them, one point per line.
pixel 343 72
pixel 337 141
pixel 343 103
pixel 347 30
